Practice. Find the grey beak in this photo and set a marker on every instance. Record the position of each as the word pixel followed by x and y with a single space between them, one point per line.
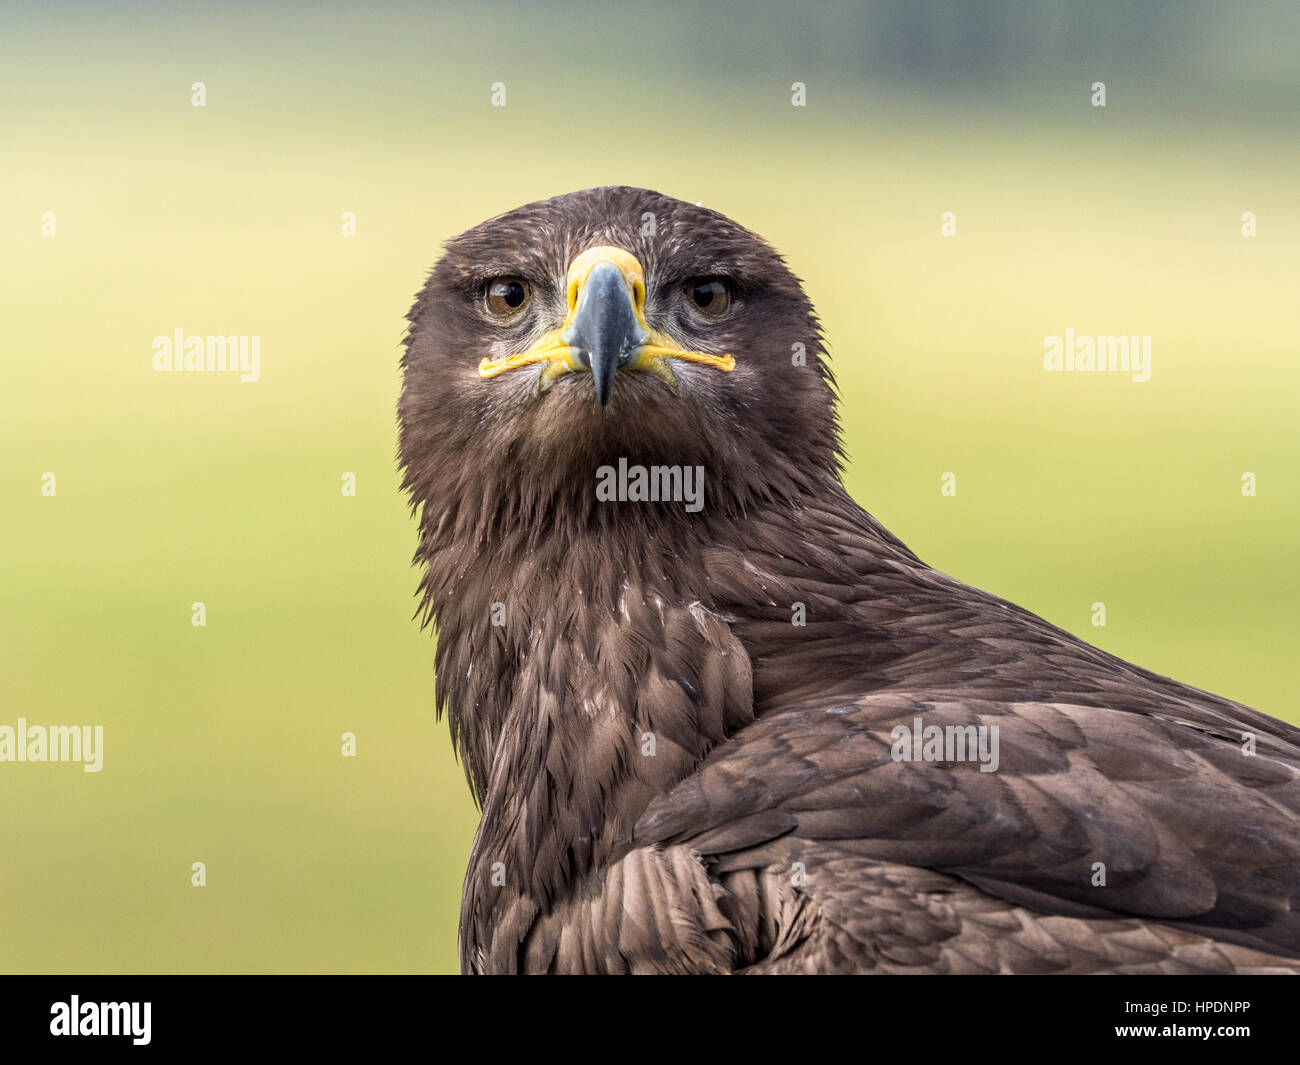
pixel 605 329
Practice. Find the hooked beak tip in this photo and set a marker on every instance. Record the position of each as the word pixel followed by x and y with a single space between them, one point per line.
pixel 605 328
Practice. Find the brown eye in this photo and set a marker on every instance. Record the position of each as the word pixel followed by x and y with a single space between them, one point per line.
pixel 709 296
pixel 505 295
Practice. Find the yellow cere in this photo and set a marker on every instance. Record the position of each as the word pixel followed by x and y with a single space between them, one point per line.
pixel 651 357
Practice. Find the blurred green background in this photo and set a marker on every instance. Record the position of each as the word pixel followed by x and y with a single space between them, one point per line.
pixel 222 744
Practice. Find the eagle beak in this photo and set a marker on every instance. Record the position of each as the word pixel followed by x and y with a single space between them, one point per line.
pixel 605 330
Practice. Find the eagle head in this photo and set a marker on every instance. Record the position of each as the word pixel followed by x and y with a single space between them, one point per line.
pixel 613 323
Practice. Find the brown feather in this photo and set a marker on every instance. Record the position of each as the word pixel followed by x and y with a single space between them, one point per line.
pixel 770 829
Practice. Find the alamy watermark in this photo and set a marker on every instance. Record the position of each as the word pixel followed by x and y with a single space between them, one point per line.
pixel 179 353
pixel 55 743
pixel 651 484
pixel 75 1017
pixel 1100 354
pixel 946 743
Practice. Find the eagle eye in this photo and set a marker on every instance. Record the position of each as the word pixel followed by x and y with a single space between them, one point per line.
pixel 708 296
pixel 503 296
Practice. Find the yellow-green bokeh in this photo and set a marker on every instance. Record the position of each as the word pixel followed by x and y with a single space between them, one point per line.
pixel 222 744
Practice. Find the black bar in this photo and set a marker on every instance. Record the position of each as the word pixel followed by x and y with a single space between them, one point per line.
pixel 435 1015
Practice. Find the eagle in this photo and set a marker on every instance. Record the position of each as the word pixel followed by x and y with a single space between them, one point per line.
pixel 749 731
